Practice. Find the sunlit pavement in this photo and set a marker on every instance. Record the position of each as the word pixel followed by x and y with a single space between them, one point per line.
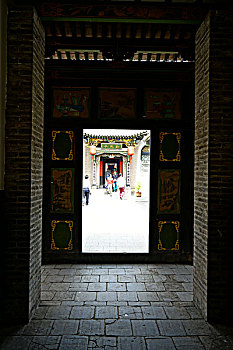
pixel 111 225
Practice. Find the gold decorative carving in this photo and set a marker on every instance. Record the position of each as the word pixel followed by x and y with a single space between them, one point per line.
pixel 71 137
pixel 53 244
pixel 178 155
pixel 160 226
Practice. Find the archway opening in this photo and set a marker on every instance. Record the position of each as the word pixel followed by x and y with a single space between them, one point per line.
pixel 115 212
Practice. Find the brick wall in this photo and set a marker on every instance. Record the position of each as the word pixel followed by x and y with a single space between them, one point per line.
pixel 214 167
pixel 24 162
pixel 200 253
pixel 220 255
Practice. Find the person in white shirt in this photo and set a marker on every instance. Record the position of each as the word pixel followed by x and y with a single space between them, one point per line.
pixel 121 185
pixel 86 189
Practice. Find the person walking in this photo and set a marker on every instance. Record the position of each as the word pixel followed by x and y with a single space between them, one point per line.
pixel 110 182
pixel 115 177
pixel 86 189
pixel 121 185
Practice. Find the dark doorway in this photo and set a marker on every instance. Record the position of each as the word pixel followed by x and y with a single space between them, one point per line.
pixel 110 164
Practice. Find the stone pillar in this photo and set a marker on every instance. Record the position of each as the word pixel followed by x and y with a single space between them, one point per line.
pixel 24 162
pixel 3 72
pixel 213 173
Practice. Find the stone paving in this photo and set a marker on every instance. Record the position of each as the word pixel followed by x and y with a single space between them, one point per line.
pixel 143 306
pixel 116 226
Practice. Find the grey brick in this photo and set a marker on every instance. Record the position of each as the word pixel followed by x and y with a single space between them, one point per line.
pixel 144 278
pixel 105 312
pixel 78 287
pixel 185 296
pixel 82 312
pixel 38 327
pixel 130 312
pixel 153 312
pixel 85 296
pixel 119 328
pixel 108 278
pixel 197 327
pixel 45 342
pixel 91 278
pixel 126 278
pixel 127 296
pixel 144 328
pixel 91 327
pixel 171 328
pixel 105 343
pixel 136 287
pixel 191 343
pixel 106 296
pixel 131 343
pixel 172 287
pixel 160 343
pixel 58 312
pixel 114 287
pixel 176 313
pixel 61 327
pixel 154 287
pixel 71 342
pixel 59 287
pixel 64 296
pixel 96 287
pixel 147 296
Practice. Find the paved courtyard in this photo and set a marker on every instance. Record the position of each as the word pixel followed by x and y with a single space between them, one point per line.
pixel 111 225
pixel 133 306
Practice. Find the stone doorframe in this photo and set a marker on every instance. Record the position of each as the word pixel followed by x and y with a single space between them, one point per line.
pixel 24 164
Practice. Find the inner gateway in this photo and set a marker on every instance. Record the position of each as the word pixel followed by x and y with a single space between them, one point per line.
pixel 111 224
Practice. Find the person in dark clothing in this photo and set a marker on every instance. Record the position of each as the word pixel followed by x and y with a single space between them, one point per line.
pixel 86 189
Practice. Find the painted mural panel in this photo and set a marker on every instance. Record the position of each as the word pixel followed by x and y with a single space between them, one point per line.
pixel 61 235
pixel 168 235
pixel 170 147
pixel 116 103
pixel 162 104
pixel 62 191
pixel 63 145
pixel 71 102
pixel 169 191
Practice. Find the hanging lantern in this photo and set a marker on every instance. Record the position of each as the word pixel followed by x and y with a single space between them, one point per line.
pixel 130 150
pixel 92 150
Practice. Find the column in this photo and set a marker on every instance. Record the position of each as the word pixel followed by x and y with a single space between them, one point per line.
pixel 24 162
pixel 213 173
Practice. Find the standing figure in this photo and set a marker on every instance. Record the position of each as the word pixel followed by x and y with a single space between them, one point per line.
pixel 121 185
pixel 86 189
pixel 110 182
pixel 115 177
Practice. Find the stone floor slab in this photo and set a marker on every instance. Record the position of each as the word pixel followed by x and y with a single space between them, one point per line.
pixel 82 312
pixel 190 343
pixel 105 343
pixel 102 312
pixel 64 327
pixel 119 328
pixel 91 327
pixel 130 312
pixel 45 342
pixel 116 287
pixel 144 328
pixel 58 312
pixel 131 343
pixel 153 312
pixel 171 328
pixel 197 327
pixel 160 343
pixel 71 342
pixel 176 313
